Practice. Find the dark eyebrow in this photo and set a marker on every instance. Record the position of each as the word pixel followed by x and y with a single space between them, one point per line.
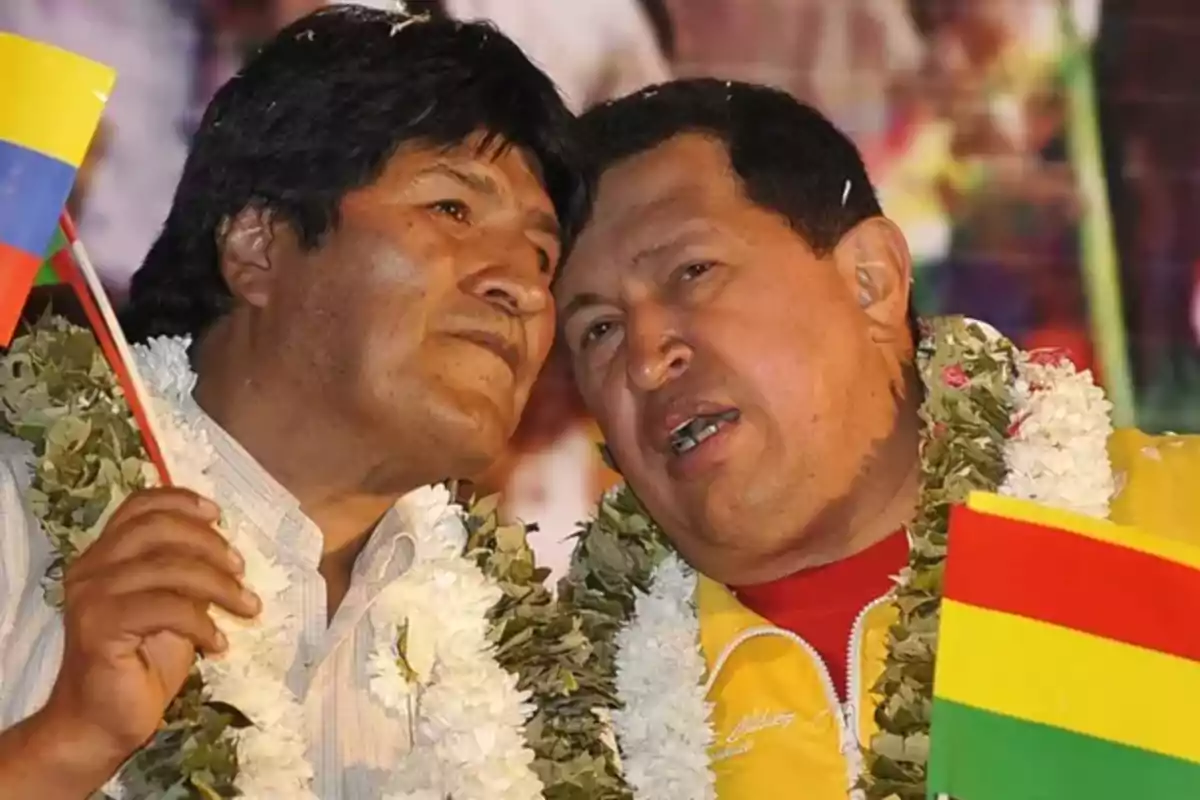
pixel 544 222
pixel 686 234
pixel 484 184
pixel 579 301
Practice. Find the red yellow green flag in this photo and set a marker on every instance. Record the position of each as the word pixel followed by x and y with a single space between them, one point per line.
pixel 1068 659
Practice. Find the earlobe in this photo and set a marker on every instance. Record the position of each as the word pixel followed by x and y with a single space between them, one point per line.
pixel 244 243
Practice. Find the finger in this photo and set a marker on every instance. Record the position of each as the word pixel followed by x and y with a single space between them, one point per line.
pixel 158 531
pixel 153 612
pixel 196 580
pixel 168 499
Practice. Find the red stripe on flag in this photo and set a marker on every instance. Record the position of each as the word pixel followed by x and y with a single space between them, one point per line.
pixel 17 271
pixel 1073 581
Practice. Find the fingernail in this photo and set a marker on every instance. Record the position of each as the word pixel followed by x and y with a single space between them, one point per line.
pixel 251 600
pixel 208 507
pixel 222 642
pixel 235 558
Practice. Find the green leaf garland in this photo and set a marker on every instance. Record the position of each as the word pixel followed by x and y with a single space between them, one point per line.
pixel 58 393
pixel 966 372
pixel 965 417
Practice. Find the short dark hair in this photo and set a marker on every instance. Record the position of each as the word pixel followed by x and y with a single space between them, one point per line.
pixel 789 158
pixel 318 113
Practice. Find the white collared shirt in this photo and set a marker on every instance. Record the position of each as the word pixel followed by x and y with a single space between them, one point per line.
pixel 353 742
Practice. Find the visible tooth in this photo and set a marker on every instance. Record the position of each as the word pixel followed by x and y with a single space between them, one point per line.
pixel 684 444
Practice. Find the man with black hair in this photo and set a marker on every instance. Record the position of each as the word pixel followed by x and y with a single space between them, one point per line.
pixel 355 278
pixel 738 314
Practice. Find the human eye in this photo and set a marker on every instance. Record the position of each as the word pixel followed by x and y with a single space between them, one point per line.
pixel 456 210
pixel 595 333
pixel 694 269
pixel 547 254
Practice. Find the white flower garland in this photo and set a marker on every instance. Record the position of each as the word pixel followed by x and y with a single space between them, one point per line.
pixel 469 739
pixel 1056 455
pixel 251 675
pixel 1057 450
pixel 664 726
pixel 469 734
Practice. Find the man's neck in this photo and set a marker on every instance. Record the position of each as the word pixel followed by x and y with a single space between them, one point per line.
pixel 865 522
pixel 313 455
pixel 882 500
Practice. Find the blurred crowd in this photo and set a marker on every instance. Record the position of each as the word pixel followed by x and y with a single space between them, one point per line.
pixel 959 106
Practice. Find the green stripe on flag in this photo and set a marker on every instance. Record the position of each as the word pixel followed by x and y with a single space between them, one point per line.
pixel 46 275
pixel 978 755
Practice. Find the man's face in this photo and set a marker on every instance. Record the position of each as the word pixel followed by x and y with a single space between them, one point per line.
pixel 741 382
pixel 423 318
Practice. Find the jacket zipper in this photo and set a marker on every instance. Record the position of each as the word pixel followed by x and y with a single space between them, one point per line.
pixel 845 713
pixel 853 753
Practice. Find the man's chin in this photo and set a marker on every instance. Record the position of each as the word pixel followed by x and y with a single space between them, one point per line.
pixel 473 437
pixel 445 438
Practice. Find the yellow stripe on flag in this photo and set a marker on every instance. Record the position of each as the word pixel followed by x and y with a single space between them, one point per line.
pixel 50 99
pixel 1066 679
pixel 1098 529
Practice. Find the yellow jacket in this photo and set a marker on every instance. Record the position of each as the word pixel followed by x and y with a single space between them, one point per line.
pixel 781 731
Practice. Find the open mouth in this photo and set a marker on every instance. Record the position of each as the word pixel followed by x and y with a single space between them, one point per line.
pixel 692 433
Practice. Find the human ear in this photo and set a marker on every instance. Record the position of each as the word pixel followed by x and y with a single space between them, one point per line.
pixel 244 243
pixel 874 263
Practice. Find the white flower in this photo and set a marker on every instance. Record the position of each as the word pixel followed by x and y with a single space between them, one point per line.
pixel 470 742
pixel 664 728
pixel 251 675
pixel 163 363
pixel 1057 452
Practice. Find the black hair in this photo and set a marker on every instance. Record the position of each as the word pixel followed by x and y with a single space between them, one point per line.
pixel 789 158
pixel 318 113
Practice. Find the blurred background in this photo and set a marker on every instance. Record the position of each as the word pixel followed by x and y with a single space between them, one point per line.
pixel 1042 157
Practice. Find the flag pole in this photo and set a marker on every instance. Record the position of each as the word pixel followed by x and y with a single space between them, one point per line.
pixel 112 341
pixel 1101 268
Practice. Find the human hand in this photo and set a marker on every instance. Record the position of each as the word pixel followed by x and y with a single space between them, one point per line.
pixel 135 614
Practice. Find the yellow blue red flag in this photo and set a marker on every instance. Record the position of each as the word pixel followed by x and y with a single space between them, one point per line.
pixel 50 106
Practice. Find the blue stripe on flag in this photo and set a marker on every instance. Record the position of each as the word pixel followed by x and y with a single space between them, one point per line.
pixel 33 190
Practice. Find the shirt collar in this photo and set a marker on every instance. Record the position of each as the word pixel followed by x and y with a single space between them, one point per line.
pixel 275 511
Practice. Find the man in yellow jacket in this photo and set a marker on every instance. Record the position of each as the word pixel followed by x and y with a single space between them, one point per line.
pixel 738 314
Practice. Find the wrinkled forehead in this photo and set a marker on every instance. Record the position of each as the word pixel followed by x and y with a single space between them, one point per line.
pixel 646 201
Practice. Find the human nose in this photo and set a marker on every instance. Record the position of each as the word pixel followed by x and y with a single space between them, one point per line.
pixel 513 286
pixel 657 354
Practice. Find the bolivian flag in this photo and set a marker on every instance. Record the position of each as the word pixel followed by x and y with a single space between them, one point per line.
pixel 1068 660
pixel 50 106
